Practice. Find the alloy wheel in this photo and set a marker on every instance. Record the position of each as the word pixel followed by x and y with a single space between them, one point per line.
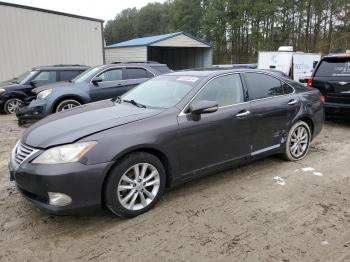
pixel 138 186
pixel 299 141
pixel 12 105
pixel 68 106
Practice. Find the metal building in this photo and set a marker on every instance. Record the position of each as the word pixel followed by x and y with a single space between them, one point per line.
pixel 178 50
pixel 31 37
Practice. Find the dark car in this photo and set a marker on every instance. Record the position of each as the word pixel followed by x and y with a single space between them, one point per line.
pixel 97 83
pixel 122 153
pixel 16 91
pixel 332 77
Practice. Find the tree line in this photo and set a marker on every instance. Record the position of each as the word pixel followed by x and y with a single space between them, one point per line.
pixel 239 29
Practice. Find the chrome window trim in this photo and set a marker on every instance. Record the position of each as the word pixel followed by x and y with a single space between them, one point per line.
pixel 182 113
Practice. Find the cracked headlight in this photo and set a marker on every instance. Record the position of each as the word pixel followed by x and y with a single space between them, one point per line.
pixel 64 154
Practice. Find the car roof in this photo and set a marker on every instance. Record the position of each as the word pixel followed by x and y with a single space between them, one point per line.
pixel 61 67
pixel 335 56
pixel 214 72
pixel 130 64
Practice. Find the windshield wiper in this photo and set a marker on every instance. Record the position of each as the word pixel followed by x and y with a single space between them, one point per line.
pixel 133 102
pixel 116 99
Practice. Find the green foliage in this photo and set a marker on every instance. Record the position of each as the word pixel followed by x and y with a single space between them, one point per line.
pixel 239 29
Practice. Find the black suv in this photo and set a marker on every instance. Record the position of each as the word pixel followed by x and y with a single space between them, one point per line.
pixel 97 83
pixel 332 77
pixel 15 91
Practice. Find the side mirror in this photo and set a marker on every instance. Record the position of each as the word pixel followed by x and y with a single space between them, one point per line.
pixel 96 80
pixel 204 107
pixel 303 80
pixel 33 83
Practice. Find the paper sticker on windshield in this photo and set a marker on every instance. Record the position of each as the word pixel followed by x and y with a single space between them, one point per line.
pixel 188 78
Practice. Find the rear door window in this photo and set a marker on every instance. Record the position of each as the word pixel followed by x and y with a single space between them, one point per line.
pixel 69 74
pixel 263 86
pixel 136 73
pixel 333 68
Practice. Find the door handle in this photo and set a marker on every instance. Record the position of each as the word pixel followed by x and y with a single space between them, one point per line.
pixel 243 113
pixel 292 102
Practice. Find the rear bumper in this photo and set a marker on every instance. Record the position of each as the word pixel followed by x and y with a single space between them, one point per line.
pixel 337 110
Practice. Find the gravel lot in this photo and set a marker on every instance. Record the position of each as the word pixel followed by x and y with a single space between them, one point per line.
pixel 270 210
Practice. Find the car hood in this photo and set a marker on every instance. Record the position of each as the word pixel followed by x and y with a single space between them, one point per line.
pixel 71 125
pixel 37 90
pixel 8 86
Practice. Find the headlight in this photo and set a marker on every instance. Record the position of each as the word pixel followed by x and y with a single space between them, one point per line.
pixel 64 154
pixel 2 90
pixel 44 94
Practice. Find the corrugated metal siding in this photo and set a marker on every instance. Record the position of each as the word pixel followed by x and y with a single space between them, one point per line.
pixel 31 38
pixel 123 54
pixel 180 41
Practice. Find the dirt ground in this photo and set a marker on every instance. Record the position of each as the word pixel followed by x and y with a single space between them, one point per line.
pixel 270 210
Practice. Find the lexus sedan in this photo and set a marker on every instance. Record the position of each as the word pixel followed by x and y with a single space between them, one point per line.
pixel 122 153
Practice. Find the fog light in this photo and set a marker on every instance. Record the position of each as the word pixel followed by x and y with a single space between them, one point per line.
pixel 59 199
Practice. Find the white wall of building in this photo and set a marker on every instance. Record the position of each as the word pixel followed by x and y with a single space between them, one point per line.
pixel 30 38
pixel 123 54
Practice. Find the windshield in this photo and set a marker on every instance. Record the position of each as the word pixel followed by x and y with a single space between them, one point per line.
pixel 162 91
pixel 85 75
pixel 23 78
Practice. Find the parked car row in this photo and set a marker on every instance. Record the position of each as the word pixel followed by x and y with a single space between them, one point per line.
pixel 97 83
pixel 122 153
pixel 16 91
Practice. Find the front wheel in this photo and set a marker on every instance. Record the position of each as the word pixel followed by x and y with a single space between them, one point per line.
pixel 67 104
pixel 134 185
pixel 11 105
pixel 298 142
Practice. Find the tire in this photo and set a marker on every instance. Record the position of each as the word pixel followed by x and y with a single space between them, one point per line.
pixel 66 105
pixel 10 106
pixel 297 146
pixel 124 194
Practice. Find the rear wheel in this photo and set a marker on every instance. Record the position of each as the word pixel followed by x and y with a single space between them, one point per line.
pixel 134 185
pixel 11 105
pixel 67 104
pixel 298 142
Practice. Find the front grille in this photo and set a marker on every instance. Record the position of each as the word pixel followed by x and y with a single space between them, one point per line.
pixel 22 152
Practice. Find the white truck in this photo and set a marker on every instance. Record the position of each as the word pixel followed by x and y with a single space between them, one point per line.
pixel 297 65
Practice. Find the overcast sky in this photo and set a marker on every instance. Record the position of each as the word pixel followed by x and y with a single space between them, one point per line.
pixel 102 9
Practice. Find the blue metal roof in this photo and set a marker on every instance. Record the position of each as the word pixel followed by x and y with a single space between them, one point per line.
pixel 146 41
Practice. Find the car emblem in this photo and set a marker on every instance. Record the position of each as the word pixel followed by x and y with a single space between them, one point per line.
pixel 343 83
